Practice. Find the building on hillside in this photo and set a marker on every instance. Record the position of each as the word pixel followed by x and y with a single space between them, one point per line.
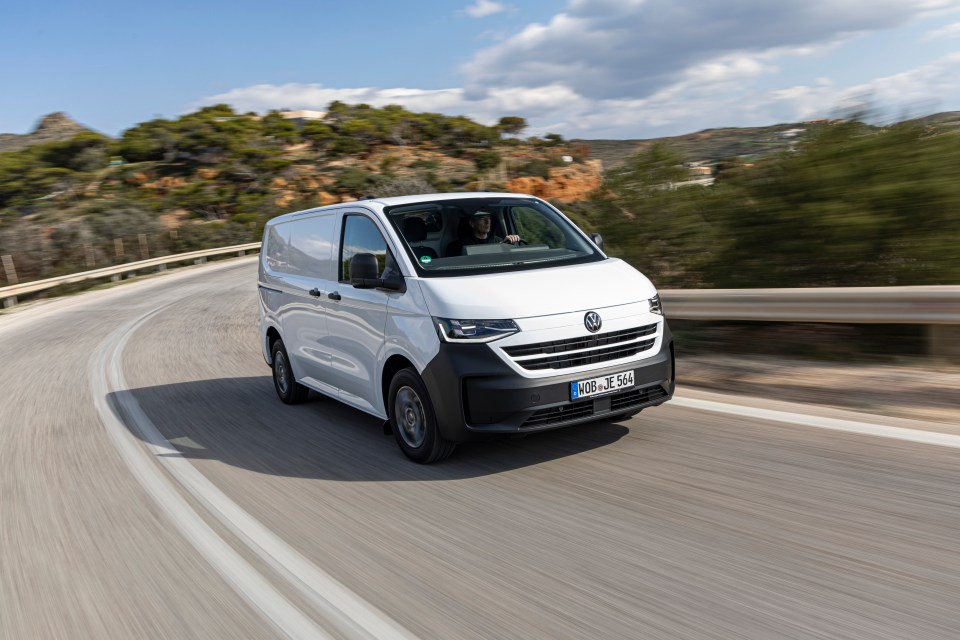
pixel 706 181
pixel 301 116
pixel 792 133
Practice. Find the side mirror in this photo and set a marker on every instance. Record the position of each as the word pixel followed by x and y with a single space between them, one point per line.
pixel 364 270
pixel 597 240
pixel 393 283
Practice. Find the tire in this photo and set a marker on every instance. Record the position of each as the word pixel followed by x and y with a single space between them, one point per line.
pixel 289 390
pixel 413 421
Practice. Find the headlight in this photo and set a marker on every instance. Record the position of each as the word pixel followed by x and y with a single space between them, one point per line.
pixel 473 330
pixel 655 305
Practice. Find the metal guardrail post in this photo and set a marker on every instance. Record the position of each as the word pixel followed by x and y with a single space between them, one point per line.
pixel 9 270
pixel 943 341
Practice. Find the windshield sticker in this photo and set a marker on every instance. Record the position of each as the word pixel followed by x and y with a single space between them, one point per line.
pixel 425 259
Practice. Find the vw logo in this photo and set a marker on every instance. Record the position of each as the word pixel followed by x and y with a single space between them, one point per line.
pixel 592 321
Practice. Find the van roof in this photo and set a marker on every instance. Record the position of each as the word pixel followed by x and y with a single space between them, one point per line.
pixel 379 203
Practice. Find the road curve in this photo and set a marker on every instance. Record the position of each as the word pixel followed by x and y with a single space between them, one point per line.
pixel 152 486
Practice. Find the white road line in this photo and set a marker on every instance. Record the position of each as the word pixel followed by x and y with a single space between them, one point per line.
pixel 237 572
pixel 849 426
pixel 344 610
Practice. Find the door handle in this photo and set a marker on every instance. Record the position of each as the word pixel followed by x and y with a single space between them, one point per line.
pixel 334 296
pixel 315 293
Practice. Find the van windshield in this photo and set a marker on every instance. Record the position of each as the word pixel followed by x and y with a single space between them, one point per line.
pixel 487 235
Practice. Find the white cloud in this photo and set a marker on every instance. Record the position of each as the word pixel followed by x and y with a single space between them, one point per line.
pixel 913 92
pixel 534 102
pixel 263 97
pixel 484 8
pixel 727 69
pixel 706 96
pixel 948 31
pixel 607 49
pixel 930 82
pixel 628 68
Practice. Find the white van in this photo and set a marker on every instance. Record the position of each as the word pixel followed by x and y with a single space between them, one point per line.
pixel 457 317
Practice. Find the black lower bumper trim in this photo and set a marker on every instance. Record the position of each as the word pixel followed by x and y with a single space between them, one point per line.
pixel 617 404
pixel 475 394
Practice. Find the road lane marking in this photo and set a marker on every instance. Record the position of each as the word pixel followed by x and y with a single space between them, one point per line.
pixel 236 571
pixel 835 424
pixel 343 609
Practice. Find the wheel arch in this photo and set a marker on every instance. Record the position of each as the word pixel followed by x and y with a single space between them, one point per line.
pixel 271 336
pixel 394 363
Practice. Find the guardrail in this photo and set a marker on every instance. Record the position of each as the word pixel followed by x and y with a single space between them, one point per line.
pixel 938 307
pixel 854 305
pixel 9 293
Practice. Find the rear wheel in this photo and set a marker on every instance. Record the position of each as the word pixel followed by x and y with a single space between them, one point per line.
pixel 413 420
pixel 289 390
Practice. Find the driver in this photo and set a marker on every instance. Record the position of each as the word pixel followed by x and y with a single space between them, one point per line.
pixel 480 224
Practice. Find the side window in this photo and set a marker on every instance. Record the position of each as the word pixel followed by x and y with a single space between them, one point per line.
pixel 361 235
pixel 535 228
pixel 278 251
pixel 302 247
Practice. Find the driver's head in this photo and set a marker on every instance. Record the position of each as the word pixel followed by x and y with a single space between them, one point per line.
pixel 480 222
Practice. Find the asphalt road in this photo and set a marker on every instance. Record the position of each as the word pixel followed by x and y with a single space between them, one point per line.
pixel 153 486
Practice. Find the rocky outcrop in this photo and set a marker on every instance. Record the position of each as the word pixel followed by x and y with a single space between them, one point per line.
pixel 56 127
pixel 567 184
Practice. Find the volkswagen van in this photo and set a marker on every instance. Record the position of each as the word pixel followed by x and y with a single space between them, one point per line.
pixel 457 317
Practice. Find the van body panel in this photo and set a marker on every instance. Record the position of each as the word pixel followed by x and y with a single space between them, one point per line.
pixel 356 325
pixel 300 261
pixel 537 293
pixel 410 332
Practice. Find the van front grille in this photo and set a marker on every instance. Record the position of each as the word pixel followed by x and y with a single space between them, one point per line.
pixel 637 396
pixel 624 401
pixel 580 351
pixel 556 415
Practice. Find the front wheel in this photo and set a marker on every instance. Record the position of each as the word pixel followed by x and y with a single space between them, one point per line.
pixel 413 420
pixel 289 390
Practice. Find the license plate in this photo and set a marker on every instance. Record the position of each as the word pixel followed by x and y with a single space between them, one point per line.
pixel 604 384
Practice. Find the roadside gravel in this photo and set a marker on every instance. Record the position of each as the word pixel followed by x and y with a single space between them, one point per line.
pixel 928 391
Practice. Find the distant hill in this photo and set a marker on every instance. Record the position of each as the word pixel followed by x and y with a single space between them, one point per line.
pixel 712 145
pixel 944 119
pixel 56 127
pixel 708 145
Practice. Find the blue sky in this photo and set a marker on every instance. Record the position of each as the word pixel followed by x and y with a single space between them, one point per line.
pixel 583 68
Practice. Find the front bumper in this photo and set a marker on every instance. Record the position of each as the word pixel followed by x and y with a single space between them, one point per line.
pixel 475 394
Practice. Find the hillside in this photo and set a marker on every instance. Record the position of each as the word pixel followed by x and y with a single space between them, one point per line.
pixel 713 145
pixel 55 127
pixel 710 145
pixel 841 210
pixel 73 197
pixel 944 119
